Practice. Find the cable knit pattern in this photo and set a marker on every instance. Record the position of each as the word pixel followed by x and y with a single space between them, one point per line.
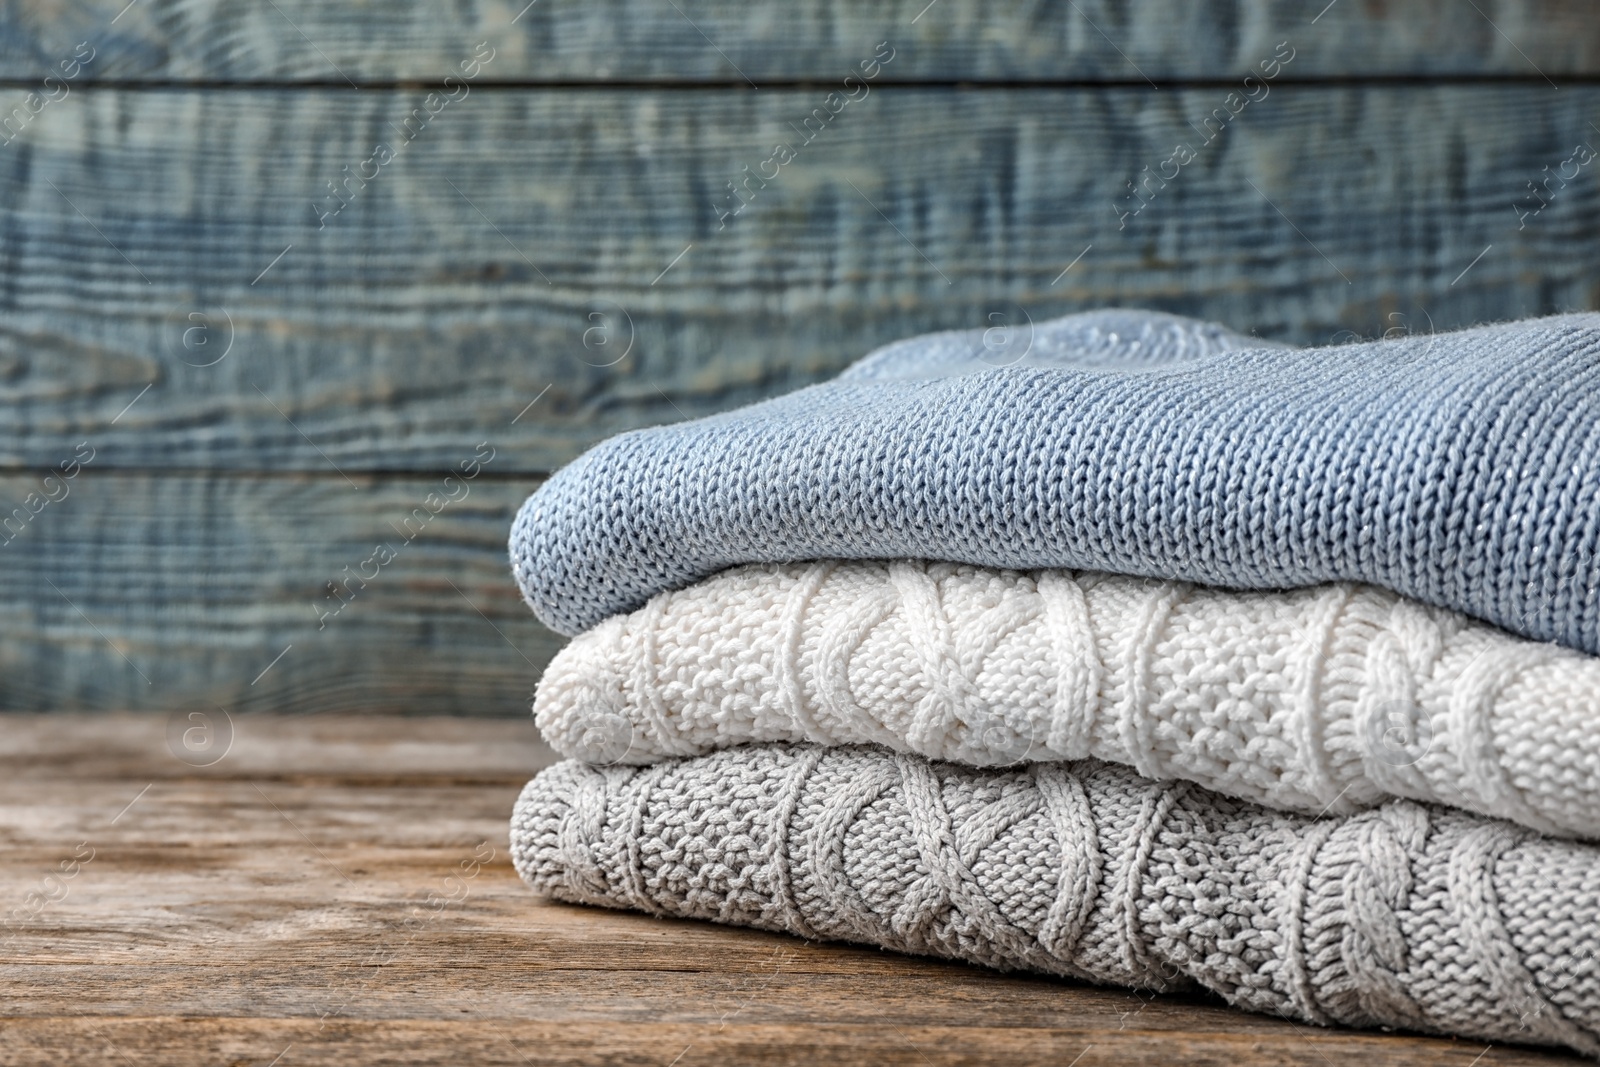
pixel 1332 698
pixel 1462 470
pixel 1406 915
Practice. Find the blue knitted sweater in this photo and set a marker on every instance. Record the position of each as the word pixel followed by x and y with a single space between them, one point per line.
pixel 1461 469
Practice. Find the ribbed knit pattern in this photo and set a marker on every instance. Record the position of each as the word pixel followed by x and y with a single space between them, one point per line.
pixel 1407 915
pixel 1462 470
pixel 1332 698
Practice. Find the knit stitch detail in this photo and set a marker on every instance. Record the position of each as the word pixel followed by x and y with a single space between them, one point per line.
pixel 1457 469
pixel 1326 699
pixel 1404 916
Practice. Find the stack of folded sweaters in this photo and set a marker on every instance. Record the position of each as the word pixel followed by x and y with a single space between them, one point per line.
pixel 1162 657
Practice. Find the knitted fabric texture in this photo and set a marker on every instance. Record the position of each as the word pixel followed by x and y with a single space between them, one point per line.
pixel 1406 916
pixel 1332 698
pixel 1462 470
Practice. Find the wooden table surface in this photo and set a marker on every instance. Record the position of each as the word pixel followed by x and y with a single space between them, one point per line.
pixel 337 890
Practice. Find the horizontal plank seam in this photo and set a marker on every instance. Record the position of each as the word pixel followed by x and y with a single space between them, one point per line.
pixel 814 85
pixel 379 474
pixel 1232 1036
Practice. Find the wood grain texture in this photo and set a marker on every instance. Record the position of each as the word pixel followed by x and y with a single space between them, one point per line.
pixel 726 41
pixel 142 591
pixel 314 895
pixel 143 233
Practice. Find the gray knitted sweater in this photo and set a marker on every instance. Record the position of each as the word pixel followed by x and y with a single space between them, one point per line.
pixel 1404 916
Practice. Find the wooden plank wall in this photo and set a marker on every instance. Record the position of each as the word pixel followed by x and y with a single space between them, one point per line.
pixel 267 278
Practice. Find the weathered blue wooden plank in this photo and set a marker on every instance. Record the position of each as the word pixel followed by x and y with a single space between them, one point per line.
pixel 262 592
pixel 185 253
pixel 743 43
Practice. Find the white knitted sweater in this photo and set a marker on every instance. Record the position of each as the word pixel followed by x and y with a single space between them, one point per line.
pixel 1329 699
